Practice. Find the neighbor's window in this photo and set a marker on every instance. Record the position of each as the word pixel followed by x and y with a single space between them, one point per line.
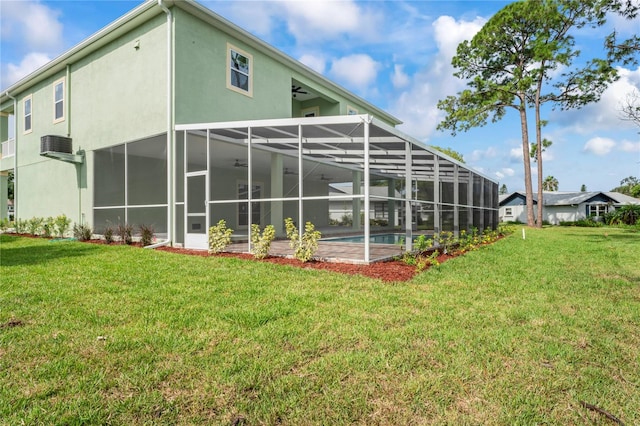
pixel 597 209
pixel 27 114
pixel 508 211
pixel 239 73
pixel 351 110
pixel 58 100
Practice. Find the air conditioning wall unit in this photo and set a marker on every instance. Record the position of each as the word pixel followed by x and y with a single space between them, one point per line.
pixel 59 148
pixel 53 143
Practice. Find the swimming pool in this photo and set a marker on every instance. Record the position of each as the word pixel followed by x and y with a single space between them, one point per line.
pixel 373 239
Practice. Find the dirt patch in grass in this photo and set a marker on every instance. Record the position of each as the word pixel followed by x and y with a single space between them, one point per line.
pixel 12 323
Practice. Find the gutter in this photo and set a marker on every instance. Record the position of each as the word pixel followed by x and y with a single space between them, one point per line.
pixel 170 142
pixel 15 155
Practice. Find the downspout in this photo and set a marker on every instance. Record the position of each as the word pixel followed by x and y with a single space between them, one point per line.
pixel 15 155
pixel 67 114
pixel 170 144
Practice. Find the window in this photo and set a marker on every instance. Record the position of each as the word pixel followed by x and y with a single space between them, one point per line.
pixel 58 100
pixel 239 73
pixel 597 210
pixel 508 211
pixel 27 114
pixel 351 110
pixel 311 112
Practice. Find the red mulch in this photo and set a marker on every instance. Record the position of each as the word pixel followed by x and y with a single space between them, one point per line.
pixel 391 271
pixel 386 271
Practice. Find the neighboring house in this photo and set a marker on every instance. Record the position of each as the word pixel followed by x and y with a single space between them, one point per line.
pixel 174 117
pixel 563 206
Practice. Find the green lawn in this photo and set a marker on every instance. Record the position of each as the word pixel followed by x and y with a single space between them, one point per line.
pixel 519 332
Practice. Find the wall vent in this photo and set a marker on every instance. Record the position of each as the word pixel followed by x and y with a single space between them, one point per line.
pixel 53 143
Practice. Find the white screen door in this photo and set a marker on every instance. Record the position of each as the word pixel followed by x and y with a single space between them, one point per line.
pixel 196 211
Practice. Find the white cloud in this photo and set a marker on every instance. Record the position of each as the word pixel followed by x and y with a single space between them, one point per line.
pixel 35 25
pixel 449 33
pixel 481 154
pixel 316 63
pixel 399 78
pixel 599 146
pixel 628 146
pixel 357 70
pixel 515 154
pixel 417 105
pixel 508 171
pixel 504 172
pixel 605 114
pixel 314 20
pixel 29 63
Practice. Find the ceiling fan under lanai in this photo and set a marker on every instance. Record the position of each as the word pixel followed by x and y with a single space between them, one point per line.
pixel 297 90
pixel 239 164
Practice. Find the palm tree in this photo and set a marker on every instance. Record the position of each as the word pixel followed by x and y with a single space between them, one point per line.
pixel 550 184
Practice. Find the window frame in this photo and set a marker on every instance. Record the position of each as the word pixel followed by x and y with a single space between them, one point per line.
pixel 597 210
pixel 230 70
pixel 56 101
pixel 313 111
pixel 28 98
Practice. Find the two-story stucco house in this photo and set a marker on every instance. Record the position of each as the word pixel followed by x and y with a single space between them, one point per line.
pixel 174 117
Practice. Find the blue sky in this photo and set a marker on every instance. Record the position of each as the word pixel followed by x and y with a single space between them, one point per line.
pixel 395 54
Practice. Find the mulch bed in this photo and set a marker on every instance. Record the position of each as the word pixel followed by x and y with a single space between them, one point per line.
pixel 391 271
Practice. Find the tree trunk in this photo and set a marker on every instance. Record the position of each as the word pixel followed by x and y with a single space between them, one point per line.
pixel 539 157
pixel 526 154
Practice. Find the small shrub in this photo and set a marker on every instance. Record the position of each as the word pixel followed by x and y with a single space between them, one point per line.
pixel 260 243
pixel 125 232
pixel 421 260
pixel 20 226
pixel 305 247
pixel 82 232
pixel 146 235
pixel 34 225
pixel 219 237
pixel 48 227
pixel 445 240
pixel 422 244
pixel 108 234
pixel 61 225
pixel 4 224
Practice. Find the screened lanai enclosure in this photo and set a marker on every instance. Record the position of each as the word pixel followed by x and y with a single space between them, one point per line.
pixel 362 183
pixel 369 189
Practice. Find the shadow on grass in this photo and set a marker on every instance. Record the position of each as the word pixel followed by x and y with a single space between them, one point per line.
pixel 40 254
pixel 627 235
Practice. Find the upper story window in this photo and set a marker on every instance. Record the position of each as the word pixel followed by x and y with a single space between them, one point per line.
pixel 58 100
pixel 28 114
pixel 240 71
